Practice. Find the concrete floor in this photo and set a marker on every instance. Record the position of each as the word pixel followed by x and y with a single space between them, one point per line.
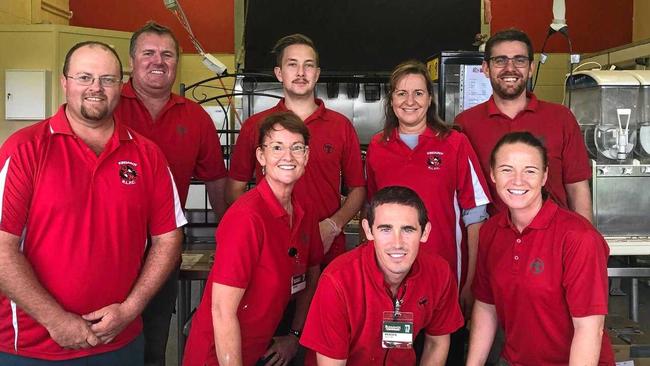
pixel 618 305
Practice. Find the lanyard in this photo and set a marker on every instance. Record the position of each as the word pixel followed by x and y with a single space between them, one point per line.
pixel 397 300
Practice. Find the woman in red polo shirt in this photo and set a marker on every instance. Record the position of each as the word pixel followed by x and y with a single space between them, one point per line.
pixel 268 249
pixel 417 150
pixel 541 272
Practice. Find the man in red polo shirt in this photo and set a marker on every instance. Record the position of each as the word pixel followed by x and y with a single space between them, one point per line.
pixel 80 194
pixel 508 64
pixel 372 302
pixel 334 146
pixel 186 135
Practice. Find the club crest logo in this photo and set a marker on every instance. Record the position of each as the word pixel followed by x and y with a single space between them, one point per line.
pixel 328 148
pixel 434 160
pixel 537 266
pixel 423 301
pixel 128 172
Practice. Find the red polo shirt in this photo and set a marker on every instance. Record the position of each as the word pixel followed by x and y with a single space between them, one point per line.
pixel 333 151
pixel 554 124
pixel 184 132
pixel 539 279
pixel 254 239
pixel 346 313
pixel 444 172
pixel 85 220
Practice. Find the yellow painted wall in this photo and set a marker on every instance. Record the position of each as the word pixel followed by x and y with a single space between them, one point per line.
pixel 15 12
pixel 550 86
pixel 51 12
pixel 192 70
pixel 43 47
pixel 641 23
pixel 23 50
pixel 35 12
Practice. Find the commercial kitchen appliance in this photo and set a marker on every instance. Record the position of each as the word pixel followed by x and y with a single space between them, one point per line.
pixel 612 108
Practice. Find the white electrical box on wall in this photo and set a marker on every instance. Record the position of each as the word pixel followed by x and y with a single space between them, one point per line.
pixel 27 94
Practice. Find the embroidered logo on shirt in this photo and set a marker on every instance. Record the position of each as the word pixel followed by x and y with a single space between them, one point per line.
pixel 181 130
pixel 537 266
pixel 423 301
pixel 128 173
pixel 328 148
pixel 434 160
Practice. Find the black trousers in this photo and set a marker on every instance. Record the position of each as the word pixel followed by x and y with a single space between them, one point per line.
pixel 156 318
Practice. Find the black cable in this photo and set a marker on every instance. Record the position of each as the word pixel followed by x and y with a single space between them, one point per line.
pixel 539 62
pixel 566 34
pixel 386 356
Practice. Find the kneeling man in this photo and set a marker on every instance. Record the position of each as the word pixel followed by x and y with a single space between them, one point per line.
pixel 372 301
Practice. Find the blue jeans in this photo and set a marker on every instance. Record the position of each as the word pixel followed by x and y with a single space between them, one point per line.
pixel 130 355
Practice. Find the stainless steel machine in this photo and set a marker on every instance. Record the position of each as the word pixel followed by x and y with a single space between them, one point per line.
pixel 613 110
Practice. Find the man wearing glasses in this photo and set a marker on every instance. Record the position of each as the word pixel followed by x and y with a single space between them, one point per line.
pixel 508 63
pixel 80 194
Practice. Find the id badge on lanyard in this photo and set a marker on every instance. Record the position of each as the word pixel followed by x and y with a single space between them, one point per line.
pixel 397 331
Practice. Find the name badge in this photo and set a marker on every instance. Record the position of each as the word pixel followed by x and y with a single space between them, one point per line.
pixel 298 283
pixel 397 330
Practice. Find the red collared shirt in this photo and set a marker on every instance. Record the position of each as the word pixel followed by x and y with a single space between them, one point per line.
pixel 334 151
pixel 539 279
pixel 184 132
pixel 85 220
pixel 554 124
pixel 444 172
pixel 254 240
pixel 346 313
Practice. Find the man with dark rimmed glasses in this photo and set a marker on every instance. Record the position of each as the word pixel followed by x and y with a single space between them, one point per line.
pixel 508 63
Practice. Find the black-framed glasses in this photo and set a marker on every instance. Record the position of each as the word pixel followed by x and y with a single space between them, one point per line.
pixel 87 80
pixel 517 61
pixel 297 150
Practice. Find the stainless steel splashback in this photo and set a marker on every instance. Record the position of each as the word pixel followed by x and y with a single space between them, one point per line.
pixel 367 116
pixel 621 198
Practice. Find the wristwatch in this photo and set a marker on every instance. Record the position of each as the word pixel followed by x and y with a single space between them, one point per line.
pixel 295 332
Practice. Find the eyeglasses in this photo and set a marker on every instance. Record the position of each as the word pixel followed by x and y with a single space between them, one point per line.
pixel 277 149
pixel 517 61
pixel 416 94
pixel 87 80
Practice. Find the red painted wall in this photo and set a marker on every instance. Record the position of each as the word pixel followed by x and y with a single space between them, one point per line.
pixel 594 25
pixel 212 20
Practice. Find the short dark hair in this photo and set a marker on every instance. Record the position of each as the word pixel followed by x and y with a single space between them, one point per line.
pixel 522 137
pixel 152 27
pixel 411 67
pixel 508 35
pixel 290 40
pixel 102 45
pixel 288 120
pixel 401 196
